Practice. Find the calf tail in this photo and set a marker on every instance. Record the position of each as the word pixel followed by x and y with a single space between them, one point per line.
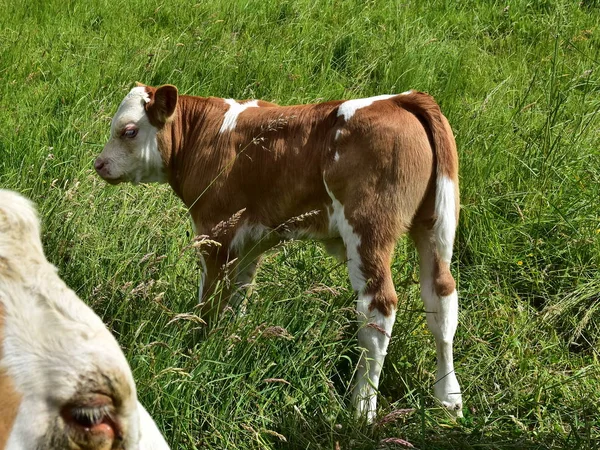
pixel 446 183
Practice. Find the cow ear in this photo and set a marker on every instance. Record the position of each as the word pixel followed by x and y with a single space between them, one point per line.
pixel 162 104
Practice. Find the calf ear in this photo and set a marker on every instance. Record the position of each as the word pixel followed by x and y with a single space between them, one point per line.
pixel 162 104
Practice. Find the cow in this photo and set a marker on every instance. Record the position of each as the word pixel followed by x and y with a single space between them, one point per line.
pixel 359 173
pixel 64 381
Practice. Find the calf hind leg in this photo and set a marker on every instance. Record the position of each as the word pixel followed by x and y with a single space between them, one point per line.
pixel 368 250
pixel 438 291
pixel 370 274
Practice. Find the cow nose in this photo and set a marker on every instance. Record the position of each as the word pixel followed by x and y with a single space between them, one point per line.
pixel 99 164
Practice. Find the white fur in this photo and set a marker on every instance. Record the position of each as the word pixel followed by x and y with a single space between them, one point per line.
pixel 442 319
pixel 52 340
pixel 235 109
pixel 151 439
pixel 246 234
pixel 445 224
pixel 131 109
pixel 349 107
pixel 339 225
pixel 336 157
pixel 244 280
pixel 373 338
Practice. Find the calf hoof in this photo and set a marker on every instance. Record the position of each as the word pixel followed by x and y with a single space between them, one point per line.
pixel 447 391
pixel 454 408
pixel 365 407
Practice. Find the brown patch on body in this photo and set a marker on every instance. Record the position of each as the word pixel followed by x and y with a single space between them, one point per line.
pixel 10 399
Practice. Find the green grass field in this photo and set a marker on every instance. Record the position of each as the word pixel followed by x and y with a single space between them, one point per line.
pixel 520 85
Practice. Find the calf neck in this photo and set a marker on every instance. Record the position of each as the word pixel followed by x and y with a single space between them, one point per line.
pixel 355 175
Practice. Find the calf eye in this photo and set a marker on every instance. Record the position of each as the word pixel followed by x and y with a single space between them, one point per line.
pixel 130 132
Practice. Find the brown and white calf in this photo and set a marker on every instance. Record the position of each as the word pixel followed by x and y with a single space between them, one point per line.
pixel 64 381
pixel 373 169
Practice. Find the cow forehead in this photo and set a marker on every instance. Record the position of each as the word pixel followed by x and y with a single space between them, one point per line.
pixel 51 338
pixel 131 108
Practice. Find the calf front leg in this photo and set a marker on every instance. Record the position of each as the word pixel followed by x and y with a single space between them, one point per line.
pixel 214 290
pixel 245 272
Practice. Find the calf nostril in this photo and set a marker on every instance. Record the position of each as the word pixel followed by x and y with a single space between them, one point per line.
pixel 99 164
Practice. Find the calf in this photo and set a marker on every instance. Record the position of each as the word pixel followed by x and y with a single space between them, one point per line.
pixel 360 173
pixel 64 382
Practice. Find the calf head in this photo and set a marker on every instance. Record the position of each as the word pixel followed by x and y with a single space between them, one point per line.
pixel 131 153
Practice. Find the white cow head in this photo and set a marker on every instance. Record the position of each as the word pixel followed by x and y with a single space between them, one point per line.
pixel 64 381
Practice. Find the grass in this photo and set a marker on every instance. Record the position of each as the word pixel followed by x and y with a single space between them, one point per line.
pixel 518 81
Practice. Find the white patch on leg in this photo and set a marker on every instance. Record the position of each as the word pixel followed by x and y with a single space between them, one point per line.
pixel 336 157
pixel 235 109
pixel 374 336
pixel 442 319
pixel 446 387
pixel 445 223
pixel 373 339
pixel 349 107
pixel 338 224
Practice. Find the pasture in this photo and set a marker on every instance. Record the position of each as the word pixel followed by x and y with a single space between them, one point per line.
pixel 520 86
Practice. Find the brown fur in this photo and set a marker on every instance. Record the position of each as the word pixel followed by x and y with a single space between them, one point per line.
pixel 10 399
pixel 273 164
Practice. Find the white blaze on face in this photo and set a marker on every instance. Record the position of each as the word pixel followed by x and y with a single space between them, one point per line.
pixel 235 109
pixel 132 154
pixel 131 109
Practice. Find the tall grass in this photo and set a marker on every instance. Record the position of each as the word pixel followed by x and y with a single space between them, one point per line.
pixel 519 83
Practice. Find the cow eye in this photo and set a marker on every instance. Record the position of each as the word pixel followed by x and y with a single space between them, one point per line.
pixel 130 132
pixel 88 417
pixel 91 424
